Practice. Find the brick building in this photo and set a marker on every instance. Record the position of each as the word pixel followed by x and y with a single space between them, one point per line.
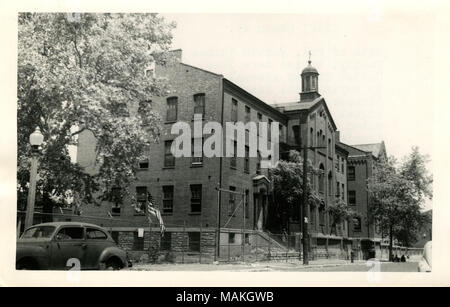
pixel 185 189
pixel 361 164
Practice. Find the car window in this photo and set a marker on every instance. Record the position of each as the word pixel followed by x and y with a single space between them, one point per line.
pixel 70 233
pixel 39 232
pixel 95 234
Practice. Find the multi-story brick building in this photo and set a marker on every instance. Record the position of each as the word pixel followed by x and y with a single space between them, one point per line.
pixel 185 188
pixel 361 164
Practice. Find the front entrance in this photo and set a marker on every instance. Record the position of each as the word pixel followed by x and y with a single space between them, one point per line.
pixel 260 202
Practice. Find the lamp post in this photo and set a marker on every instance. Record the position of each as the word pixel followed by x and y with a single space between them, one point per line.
pixel 36 139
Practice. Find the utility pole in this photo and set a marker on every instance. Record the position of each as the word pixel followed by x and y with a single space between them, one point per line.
pixel 36 139
pixel 305 205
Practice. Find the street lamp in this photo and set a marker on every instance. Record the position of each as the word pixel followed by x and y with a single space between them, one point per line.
pixel 36 139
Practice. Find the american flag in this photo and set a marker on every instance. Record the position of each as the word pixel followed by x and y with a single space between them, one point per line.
pixel 151 210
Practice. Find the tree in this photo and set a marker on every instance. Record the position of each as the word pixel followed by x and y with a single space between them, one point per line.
pixel 288 189
pixel 397 195
pixel 87 72
pixel 339 213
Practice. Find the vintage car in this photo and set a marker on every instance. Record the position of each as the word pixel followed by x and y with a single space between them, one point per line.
pixel 65 245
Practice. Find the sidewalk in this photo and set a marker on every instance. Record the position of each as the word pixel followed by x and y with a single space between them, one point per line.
pixel 253 267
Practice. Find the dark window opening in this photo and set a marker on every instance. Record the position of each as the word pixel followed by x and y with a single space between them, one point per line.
pixel 172 109
pixel 138 242
pixel 169 159
pixel 194 241
pixel 199 104
pixel 166 241
pixel 196 198
pixel 141 199
pixel 168 199
pixel 232 201
pixel 352 198
pixel 351 173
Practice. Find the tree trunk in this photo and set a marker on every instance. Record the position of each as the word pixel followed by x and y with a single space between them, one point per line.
pixel 391 258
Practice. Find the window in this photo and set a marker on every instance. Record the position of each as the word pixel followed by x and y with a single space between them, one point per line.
pixel 343 166
pixel 168 199
pixel 322 216
pixel 247 114
pixel 196 198
pixel 116 199
pixel 232 201
pixel 247 203
pixel 70 233
pixel 233 160
pixel 234 110
pixel 321 179
pixel 259 116
pixel 338 188
pixel 166 241
pixel 199 104
pixel 351 173
pixel 330 149
pixel 258 164
pixel 138 242
pixel 95 234
pixel 296 130
pixel 269 131
pixel 311 137
pixel 343 192
pixel 352 198
pixel 247 160
pixel 144 107
pixel 141 198
pixel 330 184
pixel 172 109
pixel 169 159
pixel 231 238
pixel 247 238
pixel 197 153
pixel 336 164
pixel 357 224
pixel 143 164
pixel 194 241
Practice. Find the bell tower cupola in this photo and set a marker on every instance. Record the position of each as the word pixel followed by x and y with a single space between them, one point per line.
pixel 310 83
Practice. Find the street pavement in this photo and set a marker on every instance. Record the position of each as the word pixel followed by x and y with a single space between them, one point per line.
pixel 314 266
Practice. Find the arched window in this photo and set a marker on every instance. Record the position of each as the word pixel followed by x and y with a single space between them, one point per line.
pixel 311 137
pixel 296 130
pixel 330 184
pixel 321 178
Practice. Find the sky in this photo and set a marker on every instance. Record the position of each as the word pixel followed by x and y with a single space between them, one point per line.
pixel 376 68
pixel 376 72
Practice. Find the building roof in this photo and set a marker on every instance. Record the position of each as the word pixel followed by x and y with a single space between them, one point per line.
pixel 297 105
pixel 375 149
pixel 309 69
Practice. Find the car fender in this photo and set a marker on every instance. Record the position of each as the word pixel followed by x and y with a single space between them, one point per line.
pixel 113 251
pixel 37 253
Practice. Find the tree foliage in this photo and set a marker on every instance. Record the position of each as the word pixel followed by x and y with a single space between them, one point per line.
pixel 340 212
pixel 287 179
pixel 397 196
pixel 87 72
